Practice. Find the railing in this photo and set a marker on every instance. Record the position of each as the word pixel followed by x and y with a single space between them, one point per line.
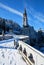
pixel 26 59
pixel 38 57
pixel 8 40
pixel 7 43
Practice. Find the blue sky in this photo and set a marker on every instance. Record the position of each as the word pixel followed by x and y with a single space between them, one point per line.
pixel 13 10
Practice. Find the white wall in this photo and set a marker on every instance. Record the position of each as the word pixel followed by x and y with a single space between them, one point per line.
pixel 37 55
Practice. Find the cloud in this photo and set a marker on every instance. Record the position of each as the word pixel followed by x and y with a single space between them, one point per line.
pixel 11 9
pixel 40 17
pixel 37 15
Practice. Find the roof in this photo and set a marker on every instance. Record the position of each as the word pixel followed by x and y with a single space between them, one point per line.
pixel 20 36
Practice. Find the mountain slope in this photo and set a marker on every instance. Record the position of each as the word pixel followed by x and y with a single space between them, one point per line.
pixel 9 25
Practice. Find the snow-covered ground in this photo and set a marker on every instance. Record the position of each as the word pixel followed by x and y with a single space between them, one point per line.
pixel 10 55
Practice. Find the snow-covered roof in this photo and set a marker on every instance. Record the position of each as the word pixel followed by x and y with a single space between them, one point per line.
pixel 20 36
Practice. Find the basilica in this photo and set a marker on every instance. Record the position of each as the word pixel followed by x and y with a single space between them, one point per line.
pixel 27 29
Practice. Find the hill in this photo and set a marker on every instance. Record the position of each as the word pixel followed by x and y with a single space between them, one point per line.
pixel 8 25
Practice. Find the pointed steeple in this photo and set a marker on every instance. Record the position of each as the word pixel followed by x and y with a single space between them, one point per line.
pixel 25 20
pixel 25 13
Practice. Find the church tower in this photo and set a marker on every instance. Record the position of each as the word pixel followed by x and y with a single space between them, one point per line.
pixel 25 20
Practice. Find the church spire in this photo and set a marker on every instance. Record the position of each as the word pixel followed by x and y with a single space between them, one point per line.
pixel 25 20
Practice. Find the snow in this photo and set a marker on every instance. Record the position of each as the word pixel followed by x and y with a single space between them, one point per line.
pixel 7 43
pixel 20 36
pixel 10 56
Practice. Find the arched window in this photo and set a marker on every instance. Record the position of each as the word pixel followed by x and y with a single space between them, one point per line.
pixel 31 58
pixel 24 51
pixel 20 48
pixel 17 44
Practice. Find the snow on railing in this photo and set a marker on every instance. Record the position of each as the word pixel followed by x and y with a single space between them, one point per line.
pixel 7 43
pixel 38 57
pixel 8 40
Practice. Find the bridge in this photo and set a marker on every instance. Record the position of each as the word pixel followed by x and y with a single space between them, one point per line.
pixel 37 57
pixel 31 55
